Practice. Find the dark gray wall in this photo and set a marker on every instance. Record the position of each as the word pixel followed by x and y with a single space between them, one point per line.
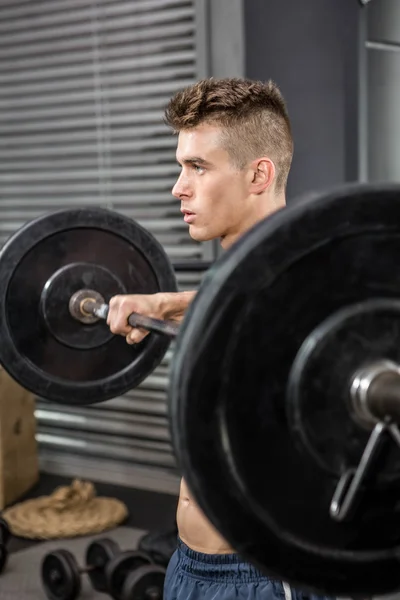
pixel 311 49
pixel 383 90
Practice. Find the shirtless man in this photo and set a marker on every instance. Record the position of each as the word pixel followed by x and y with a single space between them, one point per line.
pixel 235 149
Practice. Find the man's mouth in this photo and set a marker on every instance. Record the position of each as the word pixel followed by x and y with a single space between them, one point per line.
pixel 188 216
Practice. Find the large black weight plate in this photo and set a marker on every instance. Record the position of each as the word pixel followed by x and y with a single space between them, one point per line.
pixel 42 346
pixel 98 555
pixel 60 576
pixel 265 486
pixel 119 568
pixel 145 583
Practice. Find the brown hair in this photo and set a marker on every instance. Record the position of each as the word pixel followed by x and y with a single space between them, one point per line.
pixel 252 114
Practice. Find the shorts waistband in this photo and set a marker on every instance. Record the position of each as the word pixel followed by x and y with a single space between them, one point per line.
pixel 220 567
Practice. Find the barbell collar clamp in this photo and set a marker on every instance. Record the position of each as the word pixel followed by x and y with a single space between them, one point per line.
pixel 375 393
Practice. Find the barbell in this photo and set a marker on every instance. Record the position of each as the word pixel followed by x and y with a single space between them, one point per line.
pixel 284 397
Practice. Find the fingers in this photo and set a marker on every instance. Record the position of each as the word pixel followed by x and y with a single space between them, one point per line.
pixel 120 307
pixel 136 336
pixel 118 313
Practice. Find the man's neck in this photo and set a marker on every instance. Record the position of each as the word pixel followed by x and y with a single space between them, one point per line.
pixel 272 204
pixel 264 209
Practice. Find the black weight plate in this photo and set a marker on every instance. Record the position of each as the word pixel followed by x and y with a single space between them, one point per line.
pixel 146 583
pixel 119 568
pixel 229 405
pixel 98 555
pixel 60 576
pixel 4 532
pixel 3 557
pixel 62 359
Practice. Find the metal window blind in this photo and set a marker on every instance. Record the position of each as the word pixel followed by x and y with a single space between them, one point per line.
pixel 83 88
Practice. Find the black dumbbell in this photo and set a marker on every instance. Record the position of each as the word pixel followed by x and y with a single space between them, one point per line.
pixel 121 566
pixel 160 546
pixel 4 532
pixel 3 557
pixel 61 574
pixel 4 537
pixel 145 583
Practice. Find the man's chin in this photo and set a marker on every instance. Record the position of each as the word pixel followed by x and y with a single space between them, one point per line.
pixel 200 234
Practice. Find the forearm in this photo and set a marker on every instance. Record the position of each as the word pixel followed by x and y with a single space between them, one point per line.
pixel 175 304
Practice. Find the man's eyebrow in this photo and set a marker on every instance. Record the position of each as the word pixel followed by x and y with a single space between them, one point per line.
pixel 196 160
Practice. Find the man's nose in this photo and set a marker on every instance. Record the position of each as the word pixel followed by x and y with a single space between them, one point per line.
pixel 181 187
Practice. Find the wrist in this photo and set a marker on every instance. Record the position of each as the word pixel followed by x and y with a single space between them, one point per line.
pixel 173 305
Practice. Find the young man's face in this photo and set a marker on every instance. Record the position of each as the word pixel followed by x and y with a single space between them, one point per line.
pixel 214 195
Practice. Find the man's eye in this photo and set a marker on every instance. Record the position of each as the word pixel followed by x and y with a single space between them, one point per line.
pixel 198 168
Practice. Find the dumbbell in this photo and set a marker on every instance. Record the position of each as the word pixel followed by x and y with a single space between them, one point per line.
pixel 121 567
pixel 4 537
pixel 4 532
pixel 61 574
pixel 145 583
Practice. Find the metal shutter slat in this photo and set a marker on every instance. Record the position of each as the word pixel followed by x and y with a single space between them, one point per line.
pixel 80 111
pixel 9 10
pixel 104 448
pixel 42 15
pixel 133 39
pixel 79 58
pixel 65 164
pixel 74 30
pixel 110 66
pixel 128 173
pixel 83 82
pixel 62 189
pixel 82 149
pixel 49 203
pixel 93 420
pixel 140 90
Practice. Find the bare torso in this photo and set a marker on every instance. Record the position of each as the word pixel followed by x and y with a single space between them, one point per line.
pixel 194 528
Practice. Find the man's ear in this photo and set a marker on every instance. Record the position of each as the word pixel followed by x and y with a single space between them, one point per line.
pixel 263 171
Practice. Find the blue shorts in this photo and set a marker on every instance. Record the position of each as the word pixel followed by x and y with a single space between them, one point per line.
pixel 196 576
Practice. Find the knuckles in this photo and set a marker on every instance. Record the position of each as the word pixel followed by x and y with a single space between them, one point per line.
pixel 120 307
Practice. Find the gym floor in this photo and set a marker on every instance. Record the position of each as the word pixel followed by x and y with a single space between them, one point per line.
pixel 147 510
